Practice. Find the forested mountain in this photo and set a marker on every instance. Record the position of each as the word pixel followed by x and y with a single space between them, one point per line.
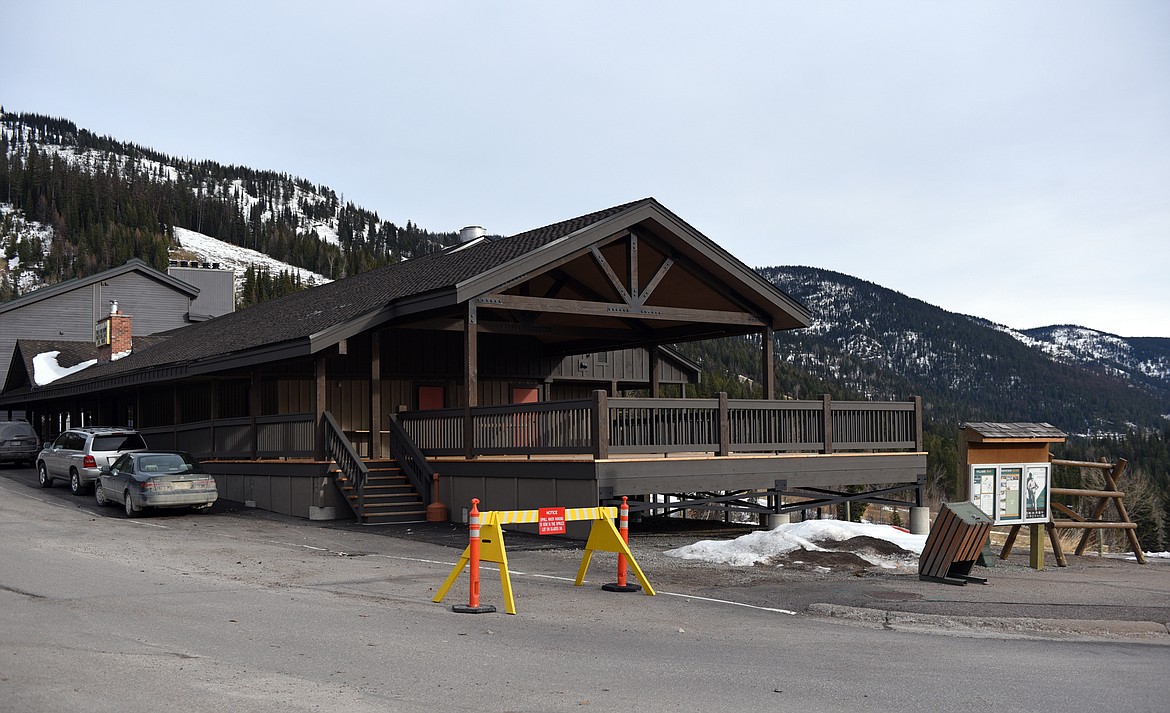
pixel 885 345
pixel 104 201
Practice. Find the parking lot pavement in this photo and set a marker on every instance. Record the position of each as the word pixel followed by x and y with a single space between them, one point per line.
pixel 1082 598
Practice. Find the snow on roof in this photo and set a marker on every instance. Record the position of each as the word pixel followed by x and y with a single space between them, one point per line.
pixel 46 370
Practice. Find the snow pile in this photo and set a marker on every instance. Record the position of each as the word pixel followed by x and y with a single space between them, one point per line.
pixel 765 546
pixel 46 370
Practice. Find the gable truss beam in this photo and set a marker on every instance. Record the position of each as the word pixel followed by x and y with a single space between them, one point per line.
pixel 452 324
pixel 634 295
pixel 695 269
pixel 610 309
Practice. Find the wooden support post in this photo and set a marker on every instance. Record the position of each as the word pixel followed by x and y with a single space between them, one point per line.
pixel 470 377
pixel 1036 546
pixel 768 367
pixel 1054 538
pixel 724 426
pixel 376 394
pixel 918 441
pixel 600 425
pixel 254 405
pixel 320 393
pixel 655 372
pixel 827 405
pixel 1010 542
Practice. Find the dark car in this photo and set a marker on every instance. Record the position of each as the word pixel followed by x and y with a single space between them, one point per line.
pixel 155 479
pixel 18 442
pixel 77 454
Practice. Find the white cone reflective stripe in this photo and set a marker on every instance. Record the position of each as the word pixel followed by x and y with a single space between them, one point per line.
pixel 624 531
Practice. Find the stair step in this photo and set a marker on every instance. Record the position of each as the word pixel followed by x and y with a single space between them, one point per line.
pixel 372 509
pixel 395 518
pixel 388 500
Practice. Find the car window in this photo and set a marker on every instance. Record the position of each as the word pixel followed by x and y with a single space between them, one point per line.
pixel 163 463
pixel 118 442
pixel 16 430
pixel 76 442
pixel 61 440
pixel 124 464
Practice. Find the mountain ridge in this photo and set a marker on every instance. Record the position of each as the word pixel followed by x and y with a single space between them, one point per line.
pixel 877 341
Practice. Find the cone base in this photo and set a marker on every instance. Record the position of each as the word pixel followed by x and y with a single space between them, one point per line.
pixel 482 609
pixel 615 587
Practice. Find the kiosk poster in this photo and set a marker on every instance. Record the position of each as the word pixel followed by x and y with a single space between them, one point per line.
pixel 1009 494
pixel 983 490
pixel 1036 493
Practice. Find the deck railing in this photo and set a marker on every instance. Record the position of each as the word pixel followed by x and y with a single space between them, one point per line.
pixel 411 460
pixel 283 436
pixel 349 463
pixel 602 426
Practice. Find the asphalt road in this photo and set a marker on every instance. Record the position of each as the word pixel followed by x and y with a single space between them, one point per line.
pixel 239 610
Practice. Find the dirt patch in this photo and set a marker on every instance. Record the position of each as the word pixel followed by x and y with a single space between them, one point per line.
pixel 866 545
pixel 817 561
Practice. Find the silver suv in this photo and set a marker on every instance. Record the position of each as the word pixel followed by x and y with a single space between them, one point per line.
pixel 79 453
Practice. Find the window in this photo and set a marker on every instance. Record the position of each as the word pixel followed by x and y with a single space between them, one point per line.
pixel 525 394
pixel 431 398
pixel 118 442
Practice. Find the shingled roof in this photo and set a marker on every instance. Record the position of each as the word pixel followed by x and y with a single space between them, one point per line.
pixel 1014 431
pixel 292 325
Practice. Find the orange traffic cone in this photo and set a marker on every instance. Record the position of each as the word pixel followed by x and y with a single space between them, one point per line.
pixel 624 530
pixel 473 606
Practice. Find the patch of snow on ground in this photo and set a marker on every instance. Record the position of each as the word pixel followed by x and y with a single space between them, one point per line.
pixel 759 546
pixel 234 257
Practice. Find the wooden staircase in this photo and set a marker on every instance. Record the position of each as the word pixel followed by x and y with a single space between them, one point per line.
pixel 388 496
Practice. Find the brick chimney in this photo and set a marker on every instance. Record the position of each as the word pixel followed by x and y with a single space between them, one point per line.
pixel 112 335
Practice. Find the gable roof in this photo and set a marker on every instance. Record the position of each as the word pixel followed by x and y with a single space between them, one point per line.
pixel 131 265
pixel 304 322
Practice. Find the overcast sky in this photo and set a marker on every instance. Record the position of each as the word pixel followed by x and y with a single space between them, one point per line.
pixel 1009 160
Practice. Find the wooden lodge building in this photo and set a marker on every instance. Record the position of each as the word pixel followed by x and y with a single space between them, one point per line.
pixel 499 364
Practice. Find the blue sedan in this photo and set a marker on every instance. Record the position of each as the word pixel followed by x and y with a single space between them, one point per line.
pixel 156 479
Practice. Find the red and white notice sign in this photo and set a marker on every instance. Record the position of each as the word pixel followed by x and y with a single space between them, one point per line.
pixel 551 521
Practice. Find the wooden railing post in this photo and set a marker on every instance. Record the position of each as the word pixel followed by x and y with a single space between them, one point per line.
pixel 724 426
pixel 827 405
pixel 600 424
pixel 917 423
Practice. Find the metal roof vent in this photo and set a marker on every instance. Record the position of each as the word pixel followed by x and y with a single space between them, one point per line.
pixel 470 233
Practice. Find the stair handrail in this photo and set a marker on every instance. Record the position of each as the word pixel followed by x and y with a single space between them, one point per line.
pixel 411 460
pixel 342 452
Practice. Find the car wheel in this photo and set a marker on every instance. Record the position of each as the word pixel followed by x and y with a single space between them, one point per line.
pixel 100 495
pixel 130 511
pixel 43 476
pixel 75 485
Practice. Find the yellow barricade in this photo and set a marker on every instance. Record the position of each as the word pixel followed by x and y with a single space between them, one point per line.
pixel 603 537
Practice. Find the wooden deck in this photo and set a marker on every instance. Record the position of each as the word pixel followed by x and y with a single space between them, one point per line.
pixel 579 453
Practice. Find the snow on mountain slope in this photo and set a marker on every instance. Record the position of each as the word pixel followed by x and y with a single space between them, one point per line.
pixel 21 228
pixel 233 257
